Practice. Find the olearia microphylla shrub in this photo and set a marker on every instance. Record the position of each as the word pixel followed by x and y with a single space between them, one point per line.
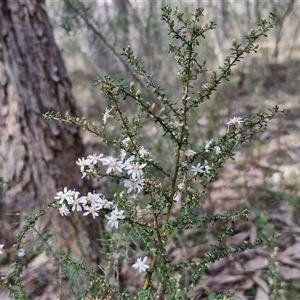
pixel 153 200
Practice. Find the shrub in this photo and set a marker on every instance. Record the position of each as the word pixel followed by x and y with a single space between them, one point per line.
pixel 157 194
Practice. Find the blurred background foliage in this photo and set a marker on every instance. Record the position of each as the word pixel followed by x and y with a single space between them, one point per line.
pixel 92 35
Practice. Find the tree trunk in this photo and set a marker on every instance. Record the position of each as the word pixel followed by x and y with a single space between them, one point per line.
pixel 37 159
pixel 122 22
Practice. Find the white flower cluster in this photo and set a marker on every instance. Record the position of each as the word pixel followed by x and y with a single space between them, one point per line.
pixel 202 169
pixel 90 204
pixel 134 170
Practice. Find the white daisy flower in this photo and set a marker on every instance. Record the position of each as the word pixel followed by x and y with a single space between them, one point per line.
pixel 197 169
pixel 141 265
pixel 64 211
pixel 114 217
pixel 106 115
pixel 134 184
pixel 21 252
pixel 234 120
pixel 134 169
pixel 113 164
pixel 64 195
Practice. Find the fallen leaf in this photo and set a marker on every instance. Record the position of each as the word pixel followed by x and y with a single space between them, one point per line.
pixel 261 295
pixel 256 264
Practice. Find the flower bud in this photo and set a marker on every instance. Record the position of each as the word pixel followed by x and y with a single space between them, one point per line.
pixel 127 49
pixel 131 86
pixel 251 32
pixel 213 75
pixel 138 94
pixel 67 114
pixel 181 186
pixel 189 153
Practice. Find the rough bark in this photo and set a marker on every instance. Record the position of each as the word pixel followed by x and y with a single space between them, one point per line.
pixel 37 159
